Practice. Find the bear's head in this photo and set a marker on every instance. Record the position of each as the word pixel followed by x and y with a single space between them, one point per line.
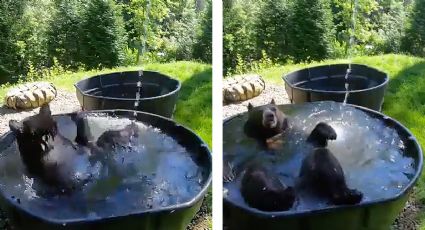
pixel 33 135
pixel 265 121
pixel 321 134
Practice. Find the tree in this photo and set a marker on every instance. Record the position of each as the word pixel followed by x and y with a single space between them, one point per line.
pixel 65 32
pixel 272 28
pixel 239 32
pixel 311 34
pixel 203 47
pixel 103 40
pixel 414 40
pixel 11 12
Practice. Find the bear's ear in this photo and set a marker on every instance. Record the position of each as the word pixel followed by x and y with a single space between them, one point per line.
pixel 250 106
pixel 16 126
pixel 45 110
pixel 273 102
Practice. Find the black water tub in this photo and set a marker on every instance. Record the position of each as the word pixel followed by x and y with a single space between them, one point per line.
pixel 373 215
pixel 175 217
pixel 367 85
pixel 159 92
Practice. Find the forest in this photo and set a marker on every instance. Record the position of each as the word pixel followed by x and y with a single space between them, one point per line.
pixel 259 34
pixel 36 35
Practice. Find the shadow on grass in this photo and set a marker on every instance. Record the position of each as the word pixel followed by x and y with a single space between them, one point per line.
pixel 405 101
pixel 194 107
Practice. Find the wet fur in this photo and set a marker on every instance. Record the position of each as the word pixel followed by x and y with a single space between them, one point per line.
pixel 262 189
pixel 49 156
pixel 108 140
pixel 265 122
pixel 322 171
pixel 37 137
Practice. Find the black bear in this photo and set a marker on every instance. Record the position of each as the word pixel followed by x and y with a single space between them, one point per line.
pixel 108 140
pixel 322 171
pixel 265 122
pixel 262 189
pixel 45 152
pixel 55 159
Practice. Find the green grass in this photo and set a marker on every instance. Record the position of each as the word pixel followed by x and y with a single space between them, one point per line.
pixel 195 97
pixel 404 99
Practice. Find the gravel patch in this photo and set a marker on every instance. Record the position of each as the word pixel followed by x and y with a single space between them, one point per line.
pixel 275 91
pixel 65 102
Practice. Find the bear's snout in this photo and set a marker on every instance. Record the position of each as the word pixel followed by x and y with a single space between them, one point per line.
pixel 269 119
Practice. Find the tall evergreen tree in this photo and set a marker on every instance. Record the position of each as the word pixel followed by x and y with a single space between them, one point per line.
pixel 203 48
pixel 311 34
pixel 272 28
pixel 11 12
pixel 103 39
pixel 414 40
pixel 65 33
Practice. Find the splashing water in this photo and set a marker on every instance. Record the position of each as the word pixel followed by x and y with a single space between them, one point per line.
pixel 153 171
pixel 139 82
pixel 370 153
pixel 351 43
pixel 138 93
pixel 347 85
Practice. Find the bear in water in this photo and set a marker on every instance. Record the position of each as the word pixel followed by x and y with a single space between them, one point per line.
pixel 56 160
pixel 322 171
pixel 48 155
pixel 262 189
pixel 265 123
pixel 108 140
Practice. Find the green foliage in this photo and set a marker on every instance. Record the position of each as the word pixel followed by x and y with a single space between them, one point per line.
pixel 414 40
pixel 34 34
pixel 303 30
pixel 272 28
pixel 31 33
pixel 103 39
pixel 311 31
pixel 203 47
pixel 64 35
pixel 11 12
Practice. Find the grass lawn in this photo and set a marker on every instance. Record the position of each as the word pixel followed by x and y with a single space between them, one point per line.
pixel 195 99
pixel 404 99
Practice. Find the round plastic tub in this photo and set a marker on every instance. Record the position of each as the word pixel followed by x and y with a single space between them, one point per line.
pixel 159 92
pixel 367 85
